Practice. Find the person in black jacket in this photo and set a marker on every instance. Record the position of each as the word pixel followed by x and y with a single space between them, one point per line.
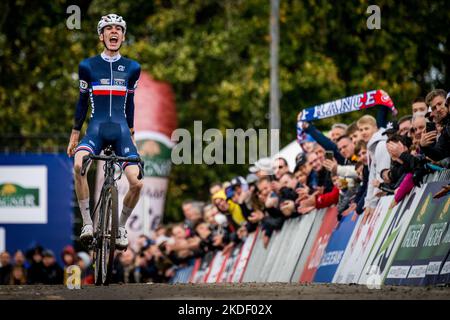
pixel 434 147
pixel 52 273
pixel 34 272
pixel 363 171
pixel 5 267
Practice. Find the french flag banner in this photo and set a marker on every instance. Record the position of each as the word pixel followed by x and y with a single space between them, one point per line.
pixel 349 104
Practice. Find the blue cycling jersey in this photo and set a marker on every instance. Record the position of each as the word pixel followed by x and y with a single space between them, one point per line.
pixel 109 84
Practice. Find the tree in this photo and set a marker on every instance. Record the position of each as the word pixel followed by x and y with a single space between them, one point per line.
pixel 216 56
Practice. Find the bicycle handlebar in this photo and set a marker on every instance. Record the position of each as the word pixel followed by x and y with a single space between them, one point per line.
pixel 114 158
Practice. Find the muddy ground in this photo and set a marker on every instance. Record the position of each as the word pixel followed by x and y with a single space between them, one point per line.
pixel 248 291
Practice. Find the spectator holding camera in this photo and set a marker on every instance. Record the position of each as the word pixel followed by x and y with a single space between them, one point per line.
pixel 437 149
pixel 267 210
pixel 347 149
pixel 288 195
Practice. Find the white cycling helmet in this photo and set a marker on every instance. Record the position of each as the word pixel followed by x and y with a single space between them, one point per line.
pixel 111 19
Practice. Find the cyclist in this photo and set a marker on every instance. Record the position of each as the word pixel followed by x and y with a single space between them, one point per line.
pixel 108 80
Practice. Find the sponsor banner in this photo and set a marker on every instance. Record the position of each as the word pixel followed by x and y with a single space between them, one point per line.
pixel 389 237
pixel 423 235
pixel 358 249
pixel 182 275
pixel 280 259
pixel 216 267
pixel 229 264
pixel 312 263
pixel 201 273
pixel 243 257
pixel 276 250
pixel 36 201
pixel 147 214
pixel 336 248
pixel 433 251
pixel 310 226
pixel 263 259
pixel 444 276
pixel 296 228
pixel 197 264
pixel 23 194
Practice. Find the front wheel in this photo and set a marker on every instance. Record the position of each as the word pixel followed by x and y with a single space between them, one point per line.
pixel 106 243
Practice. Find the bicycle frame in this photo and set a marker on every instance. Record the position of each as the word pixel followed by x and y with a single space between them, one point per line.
pixel 111 160
pixel 106 219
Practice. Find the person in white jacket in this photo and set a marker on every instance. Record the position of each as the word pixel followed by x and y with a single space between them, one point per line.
pixel 378 159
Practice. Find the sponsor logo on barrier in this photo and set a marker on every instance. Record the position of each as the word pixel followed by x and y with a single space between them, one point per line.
pixel 391 240
pixel 447 237
pixel 446 268
pixel 413 235
pixel 244 256
pixel 398 272
pixel 422 245
pixel 433 268
pixel 417 272
pixel 321 246
pixel 351 278
pixel 423 210
pixel 445 210
pixel 435 234
pixel 331 258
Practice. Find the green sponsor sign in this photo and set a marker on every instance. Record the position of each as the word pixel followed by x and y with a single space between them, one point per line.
pixel 424 238
pixel 15 196
pixel 437 241
pixel 416 229
pixel 156 157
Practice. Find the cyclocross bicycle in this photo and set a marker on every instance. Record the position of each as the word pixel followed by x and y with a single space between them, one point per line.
pixel 105 221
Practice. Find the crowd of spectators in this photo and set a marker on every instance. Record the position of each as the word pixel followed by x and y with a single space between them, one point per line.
pixel 350 168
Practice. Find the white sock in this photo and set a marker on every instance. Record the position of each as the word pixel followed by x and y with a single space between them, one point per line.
pixel 85 212
pixel 126 212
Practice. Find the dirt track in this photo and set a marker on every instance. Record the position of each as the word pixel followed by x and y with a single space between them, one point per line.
pixel 251 291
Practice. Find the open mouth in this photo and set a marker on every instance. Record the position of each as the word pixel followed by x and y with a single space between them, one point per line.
pixel 114 39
